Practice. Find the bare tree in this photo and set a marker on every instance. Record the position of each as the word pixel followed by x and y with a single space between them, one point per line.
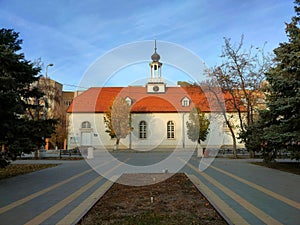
pixel 245 71
pixel 219 100
pixel 241 75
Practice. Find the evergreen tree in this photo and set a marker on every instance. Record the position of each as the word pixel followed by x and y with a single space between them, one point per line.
pixel 280 123
pixel 19 131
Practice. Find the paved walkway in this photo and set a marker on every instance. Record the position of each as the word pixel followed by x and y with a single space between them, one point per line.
pixel 243 193
pixel 58 195
pixel 248 194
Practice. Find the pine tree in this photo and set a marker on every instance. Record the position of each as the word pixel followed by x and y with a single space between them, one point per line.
pixel 19 130
pixel 280 123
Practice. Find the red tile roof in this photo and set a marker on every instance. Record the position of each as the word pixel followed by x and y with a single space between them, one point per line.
pixel 99 100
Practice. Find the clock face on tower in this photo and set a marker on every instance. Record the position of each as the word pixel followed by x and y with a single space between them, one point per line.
pixel 155 88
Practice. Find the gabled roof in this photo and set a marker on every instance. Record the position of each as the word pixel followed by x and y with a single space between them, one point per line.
pixel 99 99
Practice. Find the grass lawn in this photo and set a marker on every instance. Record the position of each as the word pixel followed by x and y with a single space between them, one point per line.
pixel 175 201
pixel 18 169
pixel 291 167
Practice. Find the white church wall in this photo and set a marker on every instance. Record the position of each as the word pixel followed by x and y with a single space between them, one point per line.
pixel 219 135
pixel 75 130
pixel 156 131
pixel 98 137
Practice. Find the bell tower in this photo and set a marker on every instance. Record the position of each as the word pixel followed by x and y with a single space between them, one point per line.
pixel 155 81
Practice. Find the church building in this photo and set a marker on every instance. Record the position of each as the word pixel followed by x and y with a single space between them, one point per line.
pixel 159 114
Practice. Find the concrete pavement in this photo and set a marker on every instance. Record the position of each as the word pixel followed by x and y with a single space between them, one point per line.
pixel 243 193
pixel 248 194
pixel 49 196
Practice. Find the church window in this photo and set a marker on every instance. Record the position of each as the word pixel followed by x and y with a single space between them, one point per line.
pixel 170 130
pixel 143 130
pixel 155 67
pixel 86 124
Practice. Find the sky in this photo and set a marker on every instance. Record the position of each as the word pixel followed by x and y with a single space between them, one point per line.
pixel 79 36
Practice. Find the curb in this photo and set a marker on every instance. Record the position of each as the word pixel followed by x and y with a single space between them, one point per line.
pixel 221 213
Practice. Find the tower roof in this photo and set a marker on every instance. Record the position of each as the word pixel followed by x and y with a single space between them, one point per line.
pixel 155 57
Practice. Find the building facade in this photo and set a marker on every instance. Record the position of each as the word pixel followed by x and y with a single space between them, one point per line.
pixel 158 115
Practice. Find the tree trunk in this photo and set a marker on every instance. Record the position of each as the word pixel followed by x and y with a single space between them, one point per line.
pixel 117 144
pixel 233 142
pixel 237 107
pixel 223 111
pixel 251 154
pixel 199 149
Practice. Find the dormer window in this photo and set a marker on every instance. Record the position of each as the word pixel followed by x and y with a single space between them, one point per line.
pixel 128 100
pixel 185 102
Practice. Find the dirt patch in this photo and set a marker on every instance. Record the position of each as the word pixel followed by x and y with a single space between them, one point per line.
pixel 19 169
pixel 172 201
pixel 290 167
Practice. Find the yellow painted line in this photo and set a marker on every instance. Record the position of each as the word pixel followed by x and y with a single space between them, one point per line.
pixel 36 194
pixel 76 214
pixel 260 188
pixel 247 205
pixel 58 206
pixel 228 212
pixel 49 212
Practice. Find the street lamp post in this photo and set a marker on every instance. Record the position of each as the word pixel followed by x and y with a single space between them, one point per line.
pixel 51 64
pixel 46 102
pixel 46 91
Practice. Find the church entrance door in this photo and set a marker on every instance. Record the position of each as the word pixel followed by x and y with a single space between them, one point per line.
pixel 86 139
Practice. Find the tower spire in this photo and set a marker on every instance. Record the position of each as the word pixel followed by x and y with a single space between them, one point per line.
pixel 155 57
pixel 155 83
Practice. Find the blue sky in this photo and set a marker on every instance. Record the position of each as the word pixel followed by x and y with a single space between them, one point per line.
pixel 73 34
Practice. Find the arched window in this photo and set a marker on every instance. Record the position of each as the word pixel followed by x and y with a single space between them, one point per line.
pixel 86 124
pixel 170 130
pixel 143 130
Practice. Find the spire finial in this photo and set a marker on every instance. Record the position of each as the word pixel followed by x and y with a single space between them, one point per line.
pixel 155 57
